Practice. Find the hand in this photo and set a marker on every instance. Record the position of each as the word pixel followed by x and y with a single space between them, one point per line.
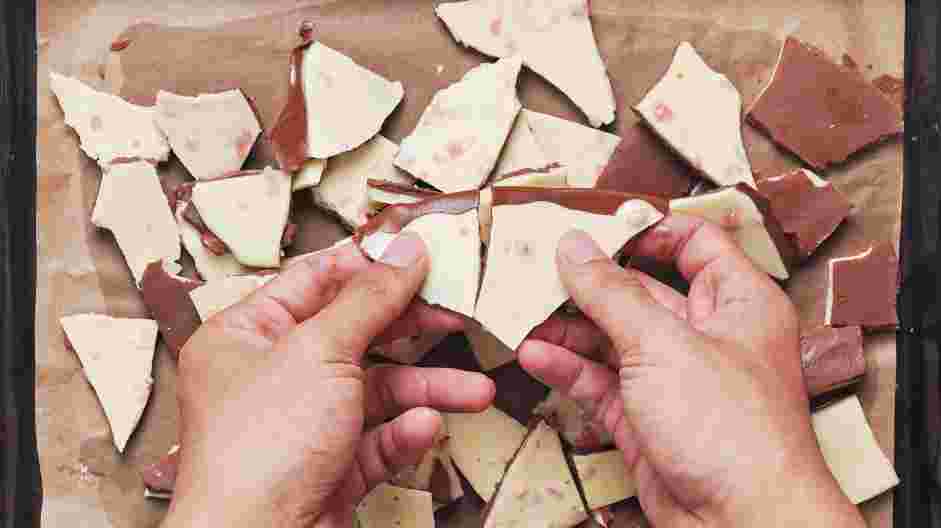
pixel 708 401
pixel 274 398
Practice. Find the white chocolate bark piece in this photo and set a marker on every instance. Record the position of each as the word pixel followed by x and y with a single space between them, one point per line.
pixel 698 112
pixel 583 151
pixel 482 445
pixel 490 351
pixel 343 189
pixel 388 505
pixel 554 37
pixel 736 212
pixel 453 242
pixel 460 135
pixel 605 478
pixel 212 134
pixel 309 175
pixel 132 205
pixel 851 451
pixel 523 161
pixel 109 127
pixel 210 266
pixel 521 286
pixel 346 103
pixel 538 489
pixel 213 297
pixel 248 213
pixel 434 473
pixel 117 356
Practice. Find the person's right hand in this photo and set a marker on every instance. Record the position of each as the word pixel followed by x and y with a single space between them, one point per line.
pixel 708 401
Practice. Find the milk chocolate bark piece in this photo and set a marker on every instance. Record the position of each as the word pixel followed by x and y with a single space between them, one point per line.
pixel 582 151
pixel 248 212
pixel 747 216
pixel 117 357
pixel 543 32
pixel 521 287
pixel 460 135
pixel 821 111
pixel 862 289
pixel 518 394
pixel 482 445
pixel 490 351
pixel 132 205
pixel 160 477
pixel 388 505
pixel 213 297
pixel 109 127
pixel 211 134
pixel 851 451
pixel 343 191
pixel 604 477
pixel 698 112
pixel 538 489
pixel 642 164
pixel 408 350
pixel 808 208
pixel 167 298
pixel 832 358
pixel 334 105
pixel 449 226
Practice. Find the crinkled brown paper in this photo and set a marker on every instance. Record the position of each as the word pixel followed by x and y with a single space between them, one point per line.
pixel 80 269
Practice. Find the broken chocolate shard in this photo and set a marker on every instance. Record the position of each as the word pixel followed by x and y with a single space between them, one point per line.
pixel 862 289
pixel 605 478
pixel 383 193
pixel 289 134
pixel 808 208
pixel 160 477
pixel 518 394
pixel 408 350
pixel 594 201
pixel 642 164
pixel 395 218
pixel 482 445
pixel 388 505
pixel 573 422
pixel 167 298
pixel 821 111
pixel 832 358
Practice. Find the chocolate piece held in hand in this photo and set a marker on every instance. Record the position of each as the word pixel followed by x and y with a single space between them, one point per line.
pixel 808 208
pixel 832 358
pixel 862 289
pixel 821 111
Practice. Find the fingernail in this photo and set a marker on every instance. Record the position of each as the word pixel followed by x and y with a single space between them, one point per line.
pixel 404 251
pixel 576 247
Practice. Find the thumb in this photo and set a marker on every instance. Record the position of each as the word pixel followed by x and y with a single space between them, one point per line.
pixel 615 298
pixel 368 303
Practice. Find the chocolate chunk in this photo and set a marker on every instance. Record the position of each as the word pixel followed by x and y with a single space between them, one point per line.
pixel 167 298
pixel 820 111
pixel 832 358
pixel 642 164
pixel 808 208
pixel 862 289
pixel 589 200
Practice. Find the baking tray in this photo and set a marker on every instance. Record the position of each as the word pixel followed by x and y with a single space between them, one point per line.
pixel 19 466
pixel 918 399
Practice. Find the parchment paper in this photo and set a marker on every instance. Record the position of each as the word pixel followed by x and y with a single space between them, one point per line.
pixel 80 269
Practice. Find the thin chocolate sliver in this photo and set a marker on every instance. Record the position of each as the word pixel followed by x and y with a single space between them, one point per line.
pixel 167 298
pixel 161 476
pixel 642 164
pixel 289 133
pixel 394 218
pixel 401 188
pixel 589 200
pixel 821 111
pixel 808 214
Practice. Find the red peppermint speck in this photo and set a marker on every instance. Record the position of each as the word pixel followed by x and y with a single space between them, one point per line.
pixel 496 26
pixel 120 44
pixel 731 220
pixel 455 150
pixel 243 144
pixel 554 492
pixel 663 112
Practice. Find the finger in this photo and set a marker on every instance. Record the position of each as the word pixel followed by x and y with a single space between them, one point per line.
pixel 657 500
pixel 392 390
pixel 665 295
pixel 366 305
pixel 615 299
pixel 595 387
pixel 387 450
pixel 573 332
pixel 420 318
pixel 299 292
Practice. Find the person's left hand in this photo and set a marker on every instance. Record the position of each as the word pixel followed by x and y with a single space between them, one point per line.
pixel 274 400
